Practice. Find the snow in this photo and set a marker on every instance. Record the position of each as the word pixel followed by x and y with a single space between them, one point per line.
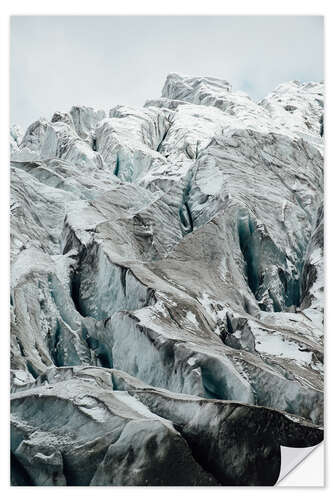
pixel 192 318
pixel 273 343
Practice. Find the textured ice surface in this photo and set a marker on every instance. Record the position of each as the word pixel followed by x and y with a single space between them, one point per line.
pixel 167 288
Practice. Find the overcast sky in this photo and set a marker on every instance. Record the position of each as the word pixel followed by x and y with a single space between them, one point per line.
pixel 57 62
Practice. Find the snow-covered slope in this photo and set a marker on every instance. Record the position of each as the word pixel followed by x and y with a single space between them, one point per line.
pixel 167 288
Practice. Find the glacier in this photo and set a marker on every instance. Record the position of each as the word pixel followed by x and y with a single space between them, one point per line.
pixel 167 288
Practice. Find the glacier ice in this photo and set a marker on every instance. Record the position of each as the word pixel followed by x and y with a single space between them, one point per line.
pixel 167 285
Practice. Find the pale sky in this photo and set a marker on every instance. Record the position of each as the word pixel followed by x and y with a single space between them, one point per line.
pixel 58 62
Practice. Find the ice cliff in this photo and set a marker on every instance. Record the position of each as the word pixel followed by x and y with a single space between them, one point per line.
pixel 167 288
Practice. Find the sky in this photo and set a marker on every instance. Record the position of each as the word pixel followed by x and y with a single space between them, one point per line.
pixel 60 61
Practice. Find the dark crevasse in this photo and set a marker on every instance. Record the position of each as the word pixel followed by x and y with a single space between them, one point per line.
pixel 274 286
pixel 184 210
pixel 117 167
pixel 310 267
pixel 249 251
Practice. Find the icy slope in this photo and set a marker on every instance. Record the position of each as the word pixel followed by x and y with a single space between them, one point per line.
pixel 177 251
